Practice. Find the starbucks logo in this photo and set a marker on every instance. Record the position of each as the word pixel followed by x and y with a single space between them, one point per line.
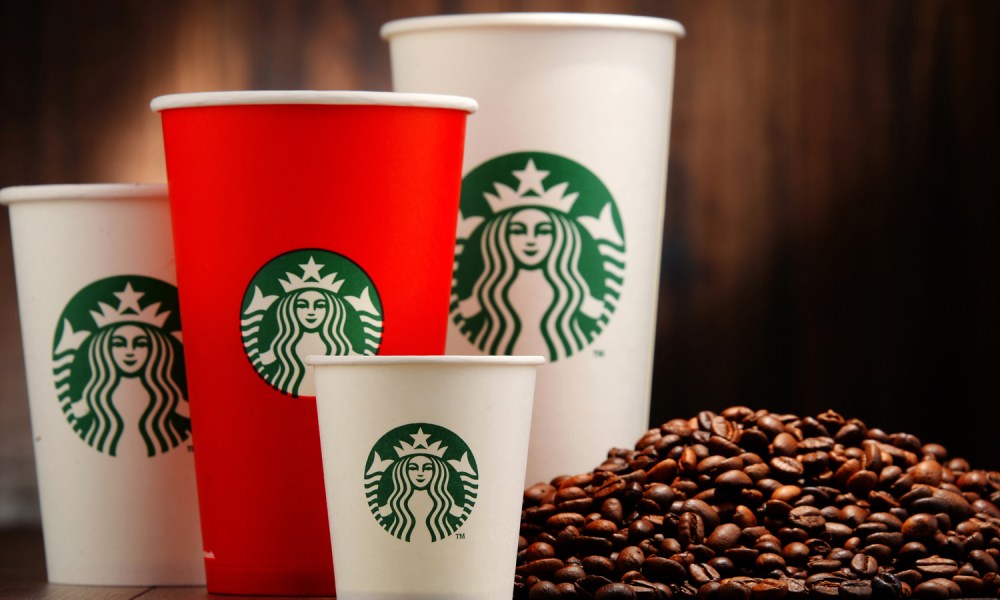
pixel 421 482
pixel 307 302
pixel 540 256
pixel 118 365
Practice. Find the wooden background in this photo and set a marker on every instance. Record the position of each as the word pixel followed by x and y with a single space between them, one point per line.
pixel 832 224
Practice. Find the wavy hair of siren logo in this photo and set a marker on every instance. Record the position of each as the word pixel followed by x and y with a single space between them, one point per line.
pixel 306 302
pixel 539 258
pixel 421 482
pixel 118 366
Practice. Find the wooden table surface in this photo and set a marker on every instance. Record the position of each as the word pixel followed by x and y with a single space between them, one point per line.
pixel 22 577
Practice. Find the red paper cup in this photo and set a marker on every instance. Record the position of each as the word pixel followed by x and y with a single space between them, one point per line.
pixel 304 223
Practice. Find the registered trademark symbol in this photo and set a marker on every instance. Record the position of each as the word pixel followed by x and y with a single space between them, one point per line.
pixel 459 536
pixel 599 353
pixel 190 449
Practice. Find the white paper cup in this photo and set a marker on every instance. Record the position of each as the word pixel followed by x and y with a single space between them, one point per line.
pixel 560 230
pixel 424 462
pixel 106 386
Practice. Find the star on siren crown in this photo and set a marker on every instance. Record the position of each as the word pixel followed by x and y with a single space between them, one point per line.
pixel 311 279
pixel 128 310
pixel 420 446
pixel 530 192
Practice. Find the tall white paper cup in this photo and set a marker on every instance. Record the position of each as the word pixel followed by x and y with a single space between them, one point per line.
pixel 106 386
pixel 562 207
pixel 424 462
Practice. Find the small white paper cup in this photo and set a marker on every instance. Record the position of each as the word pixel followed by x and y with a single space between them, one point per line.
pixel 108 404
pixel 424 462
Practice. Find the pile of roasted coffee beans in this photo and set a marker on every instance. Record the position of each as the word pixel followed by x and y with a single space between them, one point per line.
pixel 749 505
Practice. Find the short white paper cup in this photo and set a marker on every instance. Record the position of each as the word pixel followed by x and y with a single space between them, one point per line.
pixel 424 462
pixel 560 230
pixel 104 359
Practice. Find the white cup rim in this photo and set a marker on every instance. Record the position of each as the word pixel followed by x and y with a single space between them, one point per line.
pixel 533 19
pixel 315 97
pixel 442 360
pixel 82 191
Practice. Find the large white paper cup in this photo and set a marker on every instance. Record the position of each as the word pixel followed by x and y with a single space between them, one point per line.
pixel 424 462
pixel 106 385
pixel 560 228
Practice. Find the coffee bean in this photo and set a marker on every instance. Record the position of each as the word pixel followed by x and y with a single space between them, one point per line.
pixel 724 537
pixel 786 466
pixel 769 589
pixel 919 526
pixel 864 565
pixel 569 574
pixel 934 589
pixel 857 590
pixel 733 589
pixel 936 566
pixel 927 471
pixel 703 573
pixel 543 590
pixel 862 482
pixel 615 591
pixel 690 529
pixel 665 570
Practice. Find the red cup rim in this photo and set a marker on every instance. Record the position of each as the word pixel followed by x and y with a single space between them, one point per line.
pixel 442 360
pixel 284 97
pixel 82 191
pixel 535 20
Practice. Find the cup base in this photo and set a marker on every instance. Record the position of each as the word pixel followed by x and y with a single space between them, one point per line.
pixel 260 582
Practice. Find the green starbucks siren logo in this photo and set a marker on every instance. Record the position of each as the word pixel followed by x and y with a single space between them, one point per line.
pixel 307 302
pixel 540 257
pixel 421 482
pixel 118 364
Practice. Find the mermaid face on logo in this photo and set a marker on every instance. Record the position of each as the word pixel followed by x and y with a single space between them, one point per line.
pixel 130 349
pixel 539 268
pixel 100 347
pixel 529 236
pixel 331 308
pixel 421 482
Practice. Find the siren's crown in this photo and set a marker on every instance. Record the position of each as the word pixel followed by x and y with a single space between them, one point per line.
pixel 129 311
pixel 530 192
pixel 420 445
pixel 311 279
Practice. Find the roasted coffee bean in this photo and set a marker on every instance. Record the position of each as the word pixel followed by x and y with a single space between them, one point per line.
pixel 569 573
pixel 856 590
pixel 934 589
pixel 769 589
pixel 734 589
pixel 615 591
pixel 919 526
pixel 703 573
pixel 769 561
pixel 786 466
pixel 543 590
pixel 936 566
pixel 538 551
pixel 665 570
pixel 864 565
pixel 723 538
pixel 690 529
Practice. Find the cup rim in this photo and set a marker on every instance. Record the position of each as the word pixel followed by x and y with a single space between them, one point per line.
pixel 314 97
pixel 439 360
pixel 532 19
pixel 81 191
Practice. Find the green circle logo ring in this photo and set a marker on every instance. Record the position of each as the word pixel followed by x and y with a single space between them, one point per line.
pixel 307 302
pixel 540 256
pixel 421 482
pixel 118 365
